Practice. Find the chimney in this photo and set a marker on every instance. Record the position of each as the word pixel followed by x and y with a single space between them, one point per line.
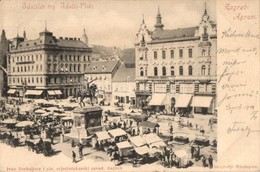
pixel 66 38
pixel 61 37
pixel 79 39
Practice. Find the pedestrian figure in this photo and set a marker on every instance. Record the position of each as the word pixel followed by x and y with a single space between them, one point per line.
pixel 81 151
pixel 204 161
pixel 72 143
pixel 196 126
pixel 192 152
pixel 210 161
pixel 74 157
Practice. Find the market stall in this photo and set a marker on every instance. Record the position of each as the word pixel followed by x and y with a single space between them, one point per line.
pixel 118 134
pixel 124 148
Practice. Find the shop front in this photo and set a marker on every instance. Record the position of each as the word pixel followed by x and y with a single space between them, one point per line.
pixel 203 104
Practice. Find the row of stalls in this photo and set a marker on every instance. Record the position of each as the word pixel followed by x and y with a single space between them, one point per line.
pixel 141 147
pixel 183 103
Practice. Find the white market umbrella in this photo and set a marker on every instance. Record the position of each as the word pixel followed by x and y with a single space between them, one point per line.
pixel 39 111
pixel 24 124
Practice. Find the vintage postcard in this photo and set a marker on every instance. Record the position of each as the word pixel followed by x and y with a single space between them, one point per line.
pixel 127 85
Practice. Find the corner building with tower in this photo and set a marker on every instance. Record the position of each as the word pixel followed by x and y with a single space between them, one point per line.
pixel 176 69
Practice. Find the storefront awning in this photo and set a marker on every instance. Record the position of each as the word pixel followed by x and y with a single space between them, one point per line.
pixel 202 101
pixel 11 91
pixel 54 92
pixel 34 92
pixel 124 145
pixel 157 100
pixel 182 100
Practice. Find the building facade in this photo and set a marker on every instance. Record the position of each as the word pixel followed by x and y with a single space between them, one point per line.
pixel 176 69
pixel 4 51
pixel 101 73
pixel 47 66
pixel 123 85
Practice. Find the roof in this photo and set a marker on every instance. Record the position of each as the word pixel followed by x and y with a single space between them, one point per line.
pixel 128 56
pixel 122 145
pixel 175 33
pixel 101 66
pixel 117 132
pixel 149 124
pixel 71 43
pixel 124 74
pixel 137 141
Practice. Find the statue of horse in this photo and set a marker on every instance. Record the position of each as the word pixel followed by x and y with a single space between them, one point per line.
pixel 91 93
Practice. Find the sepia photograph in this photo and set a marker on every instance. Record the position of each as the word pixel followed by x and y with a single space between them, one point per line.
pixel 111 85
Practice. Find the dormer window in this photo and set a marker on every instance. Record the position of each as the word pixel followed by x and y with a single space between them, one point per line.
pixel 103 67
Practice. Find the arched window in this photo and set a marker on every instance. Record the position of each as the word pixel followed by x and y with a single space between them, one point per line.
pixel 70 67
pixel 203 52
pixel 75 68
pixel 78 67
pixel 203 70
pixel 172 71
pixel 180 70
pixel 155 71
pixel 190 70
pixel 164 71
pixel 141 71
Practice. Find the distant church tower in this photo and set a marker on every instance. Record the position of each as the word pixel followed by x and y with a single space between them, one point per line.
pixel 85 37
pixel 158 25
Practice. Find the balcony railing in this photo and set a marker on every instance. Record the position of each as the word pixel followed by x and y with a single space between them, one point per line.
pixel 182 77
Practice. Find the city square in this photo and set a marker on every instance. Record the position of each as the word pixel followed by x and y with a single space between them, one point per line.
pixel 150 106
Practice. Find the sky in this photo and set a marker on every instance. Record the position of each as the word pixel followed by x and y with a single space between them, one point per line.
pixel 109 23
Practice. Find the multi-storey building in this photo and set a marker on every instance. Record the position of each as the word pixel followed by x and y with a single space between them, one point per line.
pixel 47 66
pixel 176 69
pixel 102 73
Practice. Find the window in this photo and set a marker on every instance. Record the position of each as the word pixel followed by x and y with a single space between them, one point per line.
pixel 205 30
pixel 203 70
pixel 18 69
pixel 21 69
pixel 78 67
pixel 18 80
pixel 24 68
pixel 163 54
pixel 155 71
pixel 75 67
pixel 13 80
pixel 180 70
pixel 141 71
pixel 70 58
pixel 172 54
pixel 181 53
pixel 203 52
pixel 190 52
pixel 32 79
pixel 28 68
pixel 37 80
pixel 172 71
pixel 208 70
pixel 70 67
pixel 155 55
pixel 32 68
pixel 78 58
pixel 37 68
pixel 41 68
pixel 61 57
pixel 85 67
pixel 190 70
pixel 164 71
pixel 13 69
pixel 145 55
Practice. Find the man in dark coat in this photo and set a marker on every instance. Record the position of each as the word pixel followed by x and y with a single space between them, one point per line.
pixel 74 157
pixel 204 161
pixel 192 152
pixel 210 161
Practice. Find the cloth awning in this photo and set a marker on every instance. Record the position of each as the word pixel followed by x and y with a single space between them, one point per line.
pixel 54 92
pixel 157 100
pixel 124 145
pixel 103 135
pixel 11 91
pixel 117 132
pixel 51 92
pixel 137 141
pixel 142 150
pixel 34 92
pixel 158 144
pixel 183 100
pixel 202 101
pixel 152 138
